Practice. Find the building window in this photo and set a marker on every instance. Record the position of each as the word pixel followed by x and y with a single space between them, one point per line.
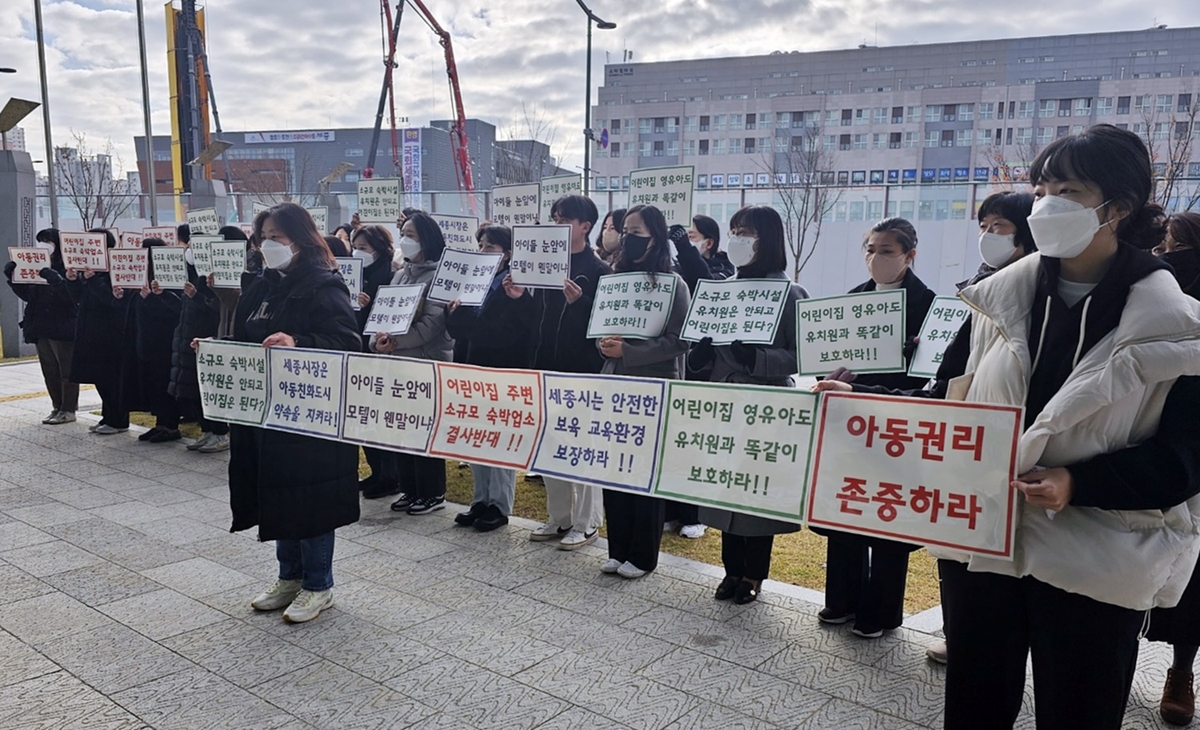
pixel 719 123
pixel 1025 110
pixel 983 137
pixel 1162 130
pixel 629 150
pixel 913 114
pixel 911 140
pixel 933 113
pixel 660 125
pixel 1182 129
pixel 781 143
pixel 894 140
pixel 1046 108
pixel 862 117
pixel 614 149
pixel 1104 105
pixel 703 147
pixel 966 112
pixel 672 125
pixel 860 141
pixel 748 146
pixel 1083 107
pixel 879 141
pixel 881 115
pixel 644 149
pixel 616 126
pixel 1141 104
pixel 847 117
pixel 1185 104
pixel 831 142
pixel 947 138
pixel 645 125
pixel 963 137
pixel 932 138
pixel 751 121
pixel 1025 135
pixel 735 122
pixel 354 152
pixel 783 120
pixel 1045 135
pixel 1060 132
pixel 704 124
pixel 987 110
pixel 689 124
pixel 673 148
pixel 1163 103
pixel 844 142
pixel 1064 107
pixel 718 146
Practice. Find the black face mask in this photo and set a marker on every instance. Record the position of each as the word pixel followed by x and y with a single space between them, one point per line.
pixel 1186 263
pixel 635 247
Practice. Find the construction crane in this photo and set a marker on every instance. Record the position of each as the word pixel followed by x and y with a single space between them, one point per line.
pixel 387 97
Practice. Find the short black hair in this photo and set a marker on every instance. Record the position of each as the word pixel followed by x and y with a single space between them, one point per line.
pixel 232 233
pixel 576 208
pixel 709 228
pixel 183 233
pixel 1015 208
pixel 499 235
pixel 48 235
pixel 378 238
pixel 771 256
pixel 432 241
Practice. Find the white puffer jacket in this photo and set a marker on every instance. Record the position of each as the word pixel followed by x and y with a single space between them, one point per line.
pixel 1113 399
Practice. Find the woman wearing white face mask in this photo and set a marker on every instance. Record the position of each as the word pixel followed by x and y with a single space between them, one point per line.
pixel 1004 235
pixel 609 247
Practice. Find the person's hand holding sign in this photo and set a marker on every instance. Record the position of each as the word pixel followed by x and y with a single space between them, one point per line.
pixel 830 386
pixel 279 339
pixel 383 343
pixel 1047 488
pixel 571 291
pixel 512 290
pixel 612 347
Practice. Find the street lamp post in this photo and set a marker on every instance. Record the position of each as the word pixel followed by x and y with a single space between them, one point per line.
pixel 587 114
pixel 41 42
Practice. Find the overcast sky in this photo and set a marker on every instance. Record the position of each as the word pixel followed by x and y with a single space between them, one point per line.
pixel 303 64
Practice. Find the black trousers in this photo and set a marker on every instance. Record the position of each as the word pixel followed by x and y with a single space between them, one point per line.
pixel 191 409
pixel 55 358
pixel 383 465
pixel 113 411
pixel 635 527
pixel 746 557
pixel 866 578
pixel 684 514
pixel 1084 653
pixel 421 477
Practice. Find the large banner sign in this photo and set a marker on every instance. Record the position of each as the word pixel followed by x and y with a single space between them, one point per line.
pixel 390 403
pixel 487 415
pixel 233 381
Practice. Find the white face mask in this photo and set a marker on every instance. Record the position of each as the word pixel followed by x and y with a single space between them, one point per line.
pixel 366 256
pixel 189 257
pixel 1062 228
pixel 740 250
pixel 45 245
pixel 409 248
pixel 996 249
pixel 275 254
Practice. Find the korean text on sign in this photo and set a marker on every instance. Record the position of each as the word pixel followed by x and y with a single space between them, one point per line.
pixel 128 268
pixel 306 391
pixel 516 205
pixel 233 381
pixel 351 270
pixel 202 253
pixel 458 230
pixel 632 305
pixel 736 309
pixel 379 200
pixel 667 188
pixel 942 324
pixel 204 221
pixel 320 216
pixel 170 266
pixel 487 416
pixel 130 239
pixel 465 276
pixel 29 261
pixel 228 263
pixel 541 256
pixel 600 429
pixel 922 471
pixel 744 448
pixel 391 402
pixel 860 332
pixel 553 188
pixel 84 251
pixel 394 309
pixel 166 233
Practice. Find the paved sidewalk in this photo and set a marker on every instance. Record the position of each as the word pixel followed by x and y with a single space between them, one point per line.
pixel 125 604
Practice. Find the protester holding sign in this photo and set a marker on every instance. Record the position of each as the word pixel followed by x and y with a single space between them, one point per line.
pixel 609 245
pixel 154 316
pixel 49 324
pixel 561 343
pixel 492 336
pixel 199 317
pixel 297 489
pixel 757 248
pixel 419 480
pixel 699 252
pixel 372 244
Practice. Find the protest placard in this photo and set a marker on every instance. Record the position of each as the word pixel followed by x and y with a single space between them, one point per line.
pixel 516 205
pixel 394 309
pixel 667 188
pixel 351 270
pixel 458 230
pixel 551 189
pixel 29 260
pixel 602 429
pixel 379 200
pixel 632 305
pixel 166 233
pixel 923 471
pixel 748 310
pixel 487 415
pixel 744 448
pixel 306 391
pixel 202 253
pixel 233 381
pixel 129 268
pixel 228 263
pixel 541 256
pixel 391 402
pixel 169 266
pixel 84 251
pixel 203 221
pixel 942 323
pixel 256 207
pixel 130 239
pixel 320 216
pixel 863 333
pixel 465 276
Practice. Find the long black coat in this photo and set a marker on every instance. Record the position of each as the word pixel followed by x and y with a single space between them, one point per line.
pixel 154 321
pixel 294 486
pixel 376 274
pixel 918 298
pixel 491 335
pixel 199 316
pixel 102 341
pixel 50 310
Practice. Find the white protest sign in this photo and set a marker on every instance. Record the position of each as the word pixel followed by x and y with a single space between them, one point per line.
pixel 170 266
pixel 487 415
pixel 863 333
pixel 917 470
pixel 228 263
pixel 202 253
pixel 351 270
pixel 320 216
pixel 129 268
pixel 605 427
pixel 942 323
pixel 465 276
pixel 166 233
pixel 233 381
pixel 748 310
pixel 458 230
pixel 256 207
pixel 516 205
pixel 203 221
pixel 390 402
pixel 306 391
pixel 130 239
pixel 744 448
pixel 84 251
pixel 667 188
pixel 551 189
pixel 394 309
pixel 29 260
pixel 632 305
pixel 379 200
pixel 541 256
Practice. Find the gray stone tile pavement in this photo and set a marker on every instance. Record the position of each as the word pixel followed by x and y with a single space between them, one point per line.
pixel 124 603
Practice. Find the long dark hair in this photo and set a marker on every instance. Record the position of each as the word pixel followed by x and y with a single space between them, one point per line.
pixel 378 238
pixel 299 227
pixel 657 259
pixel 433 243
pixel 771 256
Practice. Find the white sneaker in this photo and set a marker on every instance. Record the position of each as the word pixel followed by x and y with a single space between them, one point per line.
pixel 205 437
pixel 575 539
pixel 93 428
pixel 629 570
pixel 611 565
pixel 215 444
pixel 548 531
pixel 107 430
pixel 307 606
pixel 692 532
pixel 277 596
pixel 50 418
pixel 670 526
pixel 937 652
pixel 63 417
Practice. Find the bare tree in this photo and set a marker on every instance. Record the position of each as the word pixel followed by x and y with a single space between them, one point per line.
pixel 1008 169
pixel 1169 137
pixel 527 151
pixel 297 182
pixel 85 178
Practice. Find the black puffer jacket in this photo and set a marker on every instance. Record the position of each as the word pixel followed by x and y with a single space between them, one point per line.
pixel 490 335
pixel 50 311
pixel 101 342
pixel 199 316
pixel 918 298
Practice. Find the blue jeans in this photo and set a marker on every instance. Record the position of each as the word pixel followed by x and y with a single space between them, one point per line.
pixel 309 561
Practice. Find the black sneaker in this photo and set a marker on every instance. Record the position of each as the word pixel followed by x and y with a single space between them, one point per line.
pixel 835 618
pixel 164 435
pixel 491 519
pixel 380 489
pixel 468 518
pixel 364 484
pixel 402 504
pixel 149 434
pixel 425 506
